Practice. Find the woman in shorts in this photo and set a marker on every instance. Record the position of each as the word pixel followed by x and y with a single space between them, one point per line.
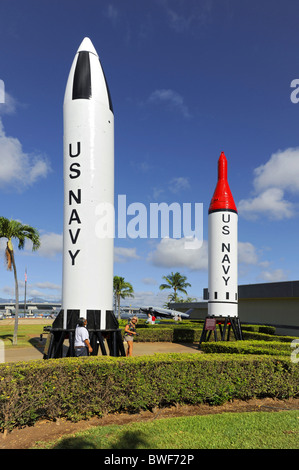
pixel 130 332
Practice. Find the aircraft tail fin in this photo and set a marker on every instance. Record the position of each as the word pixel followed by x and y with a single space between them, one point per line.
pixel 189 311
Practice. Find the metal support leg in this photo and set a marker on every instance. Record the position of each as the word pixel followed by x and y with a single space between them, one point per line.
pixel 101 341
pixel 239 329
pixel 120 343
pixel 215 334
pixel 203 334
pixel 232 321
pixel 114 344
pixel 221 331
pixel 71 350
pixel 59 345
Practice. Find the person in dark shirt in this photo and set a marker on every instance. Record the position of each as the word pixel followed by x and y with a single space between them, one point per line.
pixel 130 332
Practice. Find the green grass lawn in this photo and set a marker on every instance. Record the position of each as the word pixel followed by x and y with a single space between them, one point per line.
pixel 254 430
pixel 26 334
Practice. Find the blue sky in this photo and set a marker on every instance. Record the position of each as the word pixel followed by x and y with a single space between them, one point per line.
pixel 188 79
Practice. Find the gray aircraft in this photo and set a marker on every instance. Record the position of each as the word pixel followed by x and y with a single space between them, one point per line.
pixel 165 312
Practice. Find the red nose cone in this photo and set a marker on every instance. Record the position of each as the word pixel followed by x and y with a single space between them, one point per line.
pixel 222 198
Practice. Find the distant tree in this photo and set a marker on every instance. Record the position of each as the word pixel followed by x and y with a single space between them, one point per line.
pixel 121 290
pixel 186 300
pixel 177 282
pixel 178 300
pixel 12 229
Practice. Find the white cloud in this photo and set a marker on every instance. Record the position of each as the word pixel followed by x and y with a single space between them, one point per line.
pixel 146 298
pixel 178 184
pixel 281 171
pixel 157 193
pixel 122 254
pixel 141 166
pixel 273 276
pixel 182 19
pixel 51 244
pixel 175 185
pixel 170 98
pixel 112 14
pixel 35 290
pixel 17 168
pixel 47 285
pixel 270 203
pixel 10 104
pixel 264 264
pixel 172 252
pixel 149 281
pixel 247 253
pixel 178 22
pixel 272 179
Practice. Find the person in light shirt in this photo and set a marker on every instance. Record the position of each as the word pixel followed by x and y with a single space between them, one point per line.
pixel 82 344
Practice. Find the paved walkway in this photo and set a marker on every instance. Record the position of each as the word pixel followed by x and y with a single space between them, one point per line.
pixel 139 349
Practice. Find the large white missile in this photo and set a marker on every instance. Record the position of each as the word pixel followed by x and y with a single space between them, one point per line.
pixel 223 248
pixel 88 183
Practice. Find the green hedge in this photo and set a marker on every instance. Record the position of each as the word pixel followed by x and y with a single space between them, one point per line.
pixel 189 334
pixel 172 335
pixel 259 328
pixel 248 335
pixel 78 388
pixel 248 347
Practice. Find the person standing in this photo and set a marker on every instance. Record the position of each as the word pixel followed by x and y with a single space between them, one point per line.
pixel 130 332
pixel 82 344
pixel 149 319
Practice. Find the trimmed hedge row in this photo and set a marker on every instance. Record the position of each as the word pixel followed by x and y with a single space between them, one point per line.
pixel 189 334
pixel 78 388
pixel 248 347
pixel 270 330
pixel 172 335
pixel 248 335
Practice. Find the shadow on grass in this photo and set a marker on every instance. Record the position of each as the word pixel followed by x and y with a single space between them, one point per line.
pixel 8 337
pixel 75 443
pixel 37 343
pixel 127 440
pixel 132 440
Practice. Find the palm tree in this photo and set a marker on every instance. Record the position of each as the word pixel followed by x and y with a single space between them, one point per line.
pixel 177 282
pixel 10 229
pixel 121 289
pixel 178 300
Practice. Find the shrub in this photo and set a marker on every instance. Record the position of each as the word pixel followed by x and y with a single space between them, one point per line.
pixel 247 347
pixel 248 335
pixel 78 388
pixel 270 330
pixel 156 333
pixel 259 328
pixel 187 332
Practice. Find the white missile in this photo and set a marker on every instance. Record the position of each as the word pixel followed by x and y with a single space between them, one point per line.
pixel 88 184
pixel 223 248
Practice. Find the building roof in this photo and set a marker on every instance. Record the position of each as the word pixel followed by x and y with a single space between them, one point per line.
pixel 269 290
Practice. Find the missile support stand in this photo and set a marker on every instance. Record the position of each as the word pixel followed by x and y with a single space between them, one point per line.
pixel 225 325
pixel 55 347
